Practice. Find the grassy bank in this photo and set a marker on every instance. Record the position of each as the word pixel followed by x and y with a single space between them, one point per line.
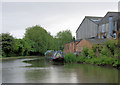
pixel 17 57
pixel 100 61
pixel 102 55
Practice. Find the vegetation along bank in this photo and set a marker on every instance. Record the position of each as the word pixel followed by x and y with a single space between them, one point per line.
pixel 35 42
pixel 102 55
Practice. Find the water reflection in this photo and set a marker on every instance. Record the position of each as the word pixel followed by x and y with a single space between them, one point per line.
pixel 15 71
pixel 96 74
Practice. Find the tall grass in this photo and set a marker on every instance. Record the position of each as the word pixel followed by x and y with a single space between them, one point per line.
pixel 70 58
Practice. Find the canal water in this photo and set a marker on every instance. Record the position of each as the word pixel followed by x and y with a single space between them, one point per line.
pixel 36 70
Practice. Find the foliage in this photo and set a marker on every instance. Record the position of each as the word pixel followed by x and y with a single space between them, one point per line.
pixel 7 44
pixel 64 37
pixel 111 45
pixel 81 59
pixel 36 41
pixel 91 53
pixel 108 54
pixel 0 46
pixel 94 47
pixel 85 52
pixel 70 58
pixel 42 40
pixel 100 47
pixel 117 52
pixel 21 47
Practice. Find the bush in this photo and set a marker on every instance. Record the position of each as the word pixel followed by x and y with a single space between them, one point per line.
pixel 100 48
pixel 108 55
pixel 80 59
pixel 94 47
pixel 91 53
pixel 70 58
pixel 116 53
pixel 106 52
pixel 111 44
pixel 85 52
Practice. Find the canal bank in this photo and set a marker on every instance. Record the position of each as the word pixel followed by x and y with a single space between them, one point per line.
pixel 18 57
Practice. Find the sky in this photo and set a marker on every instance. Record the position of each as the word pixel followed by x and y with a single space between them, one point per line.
pixel 52 16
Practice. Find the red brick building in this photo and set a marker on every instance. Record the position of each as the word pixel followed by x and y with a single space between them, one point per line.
pixel 77 46
pixel 70 47
pixel 83 43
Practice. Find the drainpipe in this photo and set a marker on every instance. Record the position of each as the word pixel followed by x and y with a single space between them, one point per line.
pixel 110 26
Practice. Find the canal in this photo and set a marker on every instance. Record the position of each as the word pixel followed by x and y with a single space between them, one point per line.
pixel 36 70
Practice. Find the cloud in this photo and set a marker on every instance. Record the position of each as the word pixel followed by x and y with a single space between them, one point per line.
pixel 53 16
pixel 18 33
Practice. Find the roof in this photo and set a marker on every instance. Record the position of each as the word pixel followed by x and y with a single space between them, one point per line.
pixel 78 40
pixel 96 41
pixel 94 19
pixel 102 20
pixel 105 19
pixel 74 41
pixel 91 40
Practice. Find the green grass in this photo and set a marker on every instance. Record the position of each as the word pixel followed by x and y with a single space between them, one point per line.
pixel 39 62
pixel 17 57
pixel 101 61
pixel 70 58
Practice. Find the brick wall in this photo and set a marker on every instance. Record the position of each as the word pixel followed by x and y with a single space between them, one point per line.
pixel 82 44
pixel 69 47
pixel 76 46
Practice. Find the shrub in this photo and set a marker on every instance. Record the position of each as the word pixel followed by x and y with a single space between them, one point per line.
pixel 85 52
pixel 70 58
pixel 111 44
pixel 106 52
pixel 91 53
pixel 100 48
pixel 80 59
pixel 94 47
pixel 116 53
pixel 0 56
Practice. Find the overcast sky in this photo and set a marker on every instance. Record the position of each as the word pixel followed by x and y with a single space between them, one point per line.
pixel 52 16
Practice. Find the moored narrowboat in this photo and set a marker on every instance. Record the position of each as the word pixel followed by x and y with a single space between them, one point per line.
pixel 54 55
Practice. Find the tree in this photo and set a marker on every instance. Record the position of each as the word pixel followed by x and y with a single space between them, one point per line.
pixel 21 47
pixel 0 45
pixel 41 39
pixel 64 37
pixel 7 44
pixel 18 47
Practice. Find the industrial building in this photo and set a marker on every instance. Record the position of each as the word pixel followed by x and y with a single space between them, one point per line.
pixel 94 30
pixel 88 27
